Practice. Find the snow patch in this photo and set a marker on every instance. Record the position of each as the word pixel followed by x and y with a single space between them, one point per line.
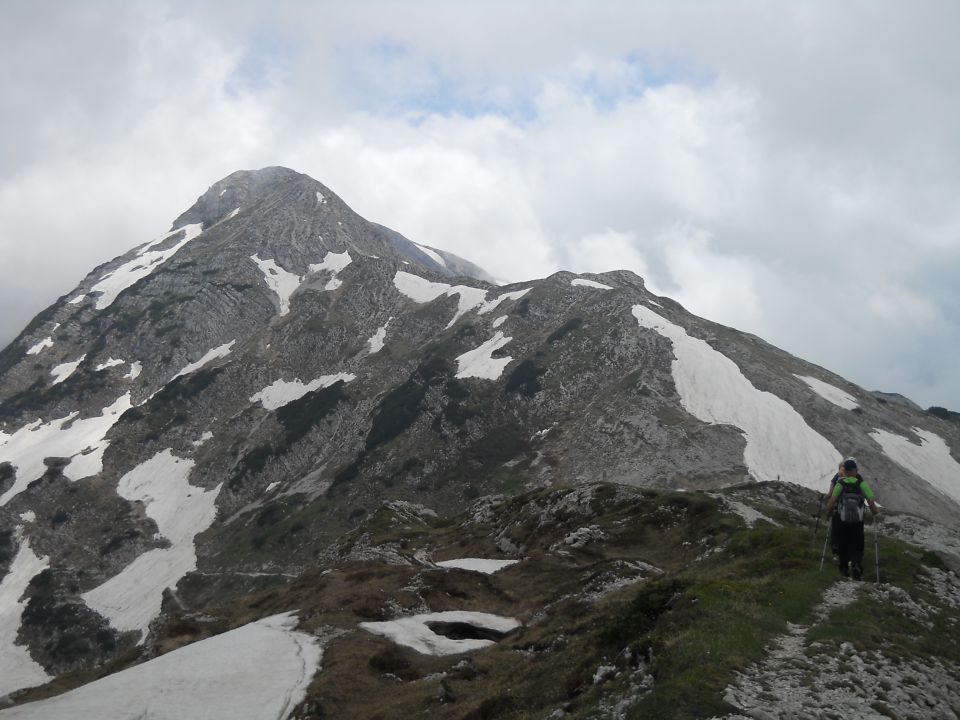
pixel 131 599
pixel 414 632
pixel 712 388
pixel 111 362
pixel 432 254
pixel 283 283
pixel 214 354
pixel 481 565
pixel 376 341
pixel 491 305
pixel 83 441
pixel 281 392
pixel 74 301
pixel 590 283
pixel 202 439
pixel 135 369
pixel 47 342
pixel 422 290
pixel 480 362
pixel 332 263
pixel 64 370
pixel 829 392
pixel 116 281
pixel 17 669
pixel 271 486
pixel 233 214
pixel 930 460
pixel 499 321
pixel 28 516
pixel 320 198
pixel 260 670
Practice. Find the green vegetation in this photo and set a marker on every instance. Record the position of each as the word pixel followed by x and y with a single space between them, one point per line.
pixel 401 407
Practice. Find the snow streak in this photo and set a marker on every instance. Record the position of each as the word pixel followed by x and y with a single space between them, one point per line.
pixel 17 668
pixel 261 670
pixel 414 631
pixel 930 460
pixel 116 281
pixel 713 389
pixel 131 599
pixel 82 440
pixel 829 392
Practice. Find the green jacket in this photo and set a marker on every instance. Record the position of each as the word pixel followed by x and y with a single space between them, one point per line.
pixel 838 488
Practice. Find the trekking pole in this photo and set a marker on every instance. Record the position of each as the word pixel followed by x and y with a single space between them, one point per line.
pixel 824 553
pixel 876 544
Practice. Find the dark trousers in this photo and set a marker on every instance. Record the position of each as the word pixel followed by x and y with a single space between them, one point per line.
pixel 850 545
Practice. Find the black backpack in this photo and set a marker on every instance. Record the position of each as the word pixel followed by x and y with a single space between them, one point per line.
pixel 851 502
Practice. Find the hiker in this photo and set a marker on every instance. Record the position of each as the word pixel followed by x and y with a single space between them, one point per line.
pixel 849 494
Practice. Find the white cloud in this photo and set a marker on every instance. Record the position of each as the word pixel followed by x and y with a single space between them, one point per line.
pixel 750 161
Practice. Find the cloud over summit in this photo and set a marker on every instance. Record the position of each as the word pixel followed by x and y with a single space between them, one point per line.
pixel 789 171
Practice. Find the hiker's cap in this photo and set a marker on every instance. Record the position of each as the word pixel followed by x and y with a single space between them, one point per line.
pixel 849 464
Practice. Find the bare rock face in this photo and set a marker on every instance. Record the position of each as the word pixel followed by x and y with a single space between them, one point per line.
pixel 295 366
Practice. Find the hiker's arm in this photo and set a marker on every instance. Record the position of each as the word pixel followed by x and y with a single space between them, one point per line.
pixel 873 508
pixel 830 504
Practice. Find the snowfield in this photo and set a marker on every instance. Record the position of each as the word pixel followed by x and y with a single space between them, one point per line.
pixel 115 282
pixel 136 367
pixel 333 263
pixel 258 671
pixel 64 370
pixel 111 362
pixel 432 254
pixel 780 444
pixel 583 282
pixel 17 669
pixel 480 565
pixel 282 392
pixel 414 632
pixel 480 363
pixel 283 283
pixel 930 460
pixel 131 599
pixel 211 355
pixel 47 342
pixel 422 290
pixel 831 393
pixel 376 341
pixel 83 441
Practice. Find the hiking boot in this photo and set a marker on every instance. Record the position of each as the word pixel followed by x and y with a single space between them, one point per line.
pixel 844 571
pixel 857 572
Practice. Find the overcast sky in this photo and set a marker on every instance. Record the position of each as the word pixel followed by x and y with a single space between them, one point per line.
pixel 791 169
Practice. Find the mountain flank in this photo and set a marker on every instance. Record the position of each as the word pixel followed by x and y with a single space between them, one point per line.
pixel 277 420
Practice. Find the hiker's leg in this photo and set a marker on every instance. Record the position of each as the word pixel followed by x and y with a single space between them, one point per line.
pixel 856 550
pixel 843 547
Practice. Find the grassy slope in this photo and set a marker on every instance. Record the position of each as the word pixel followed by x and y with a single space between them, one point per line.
pixel 672 640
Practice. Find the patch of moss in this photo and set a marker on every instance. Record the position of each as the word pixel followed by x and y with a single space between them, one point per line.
pixel 525 379
pixel 561 332
pixel 401 407
pixel 301 415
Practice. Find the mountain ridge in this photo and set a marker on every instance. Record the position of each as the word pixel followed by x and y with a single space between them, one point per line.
pixel 241 393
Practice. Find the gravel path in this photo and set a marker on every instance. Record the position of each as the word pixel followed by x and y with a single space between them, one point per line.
pixel 808 681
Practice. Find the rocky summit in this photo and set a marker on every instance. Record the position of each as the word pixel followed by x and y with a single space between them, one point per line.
pixel 281 461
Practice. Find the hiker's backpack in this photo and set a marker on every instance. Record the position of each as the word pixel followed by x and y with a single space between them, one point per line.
pixel 851 502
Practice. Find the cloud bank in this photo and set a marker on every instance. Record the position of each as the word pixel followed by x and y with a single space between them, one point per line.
pixel 789 171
